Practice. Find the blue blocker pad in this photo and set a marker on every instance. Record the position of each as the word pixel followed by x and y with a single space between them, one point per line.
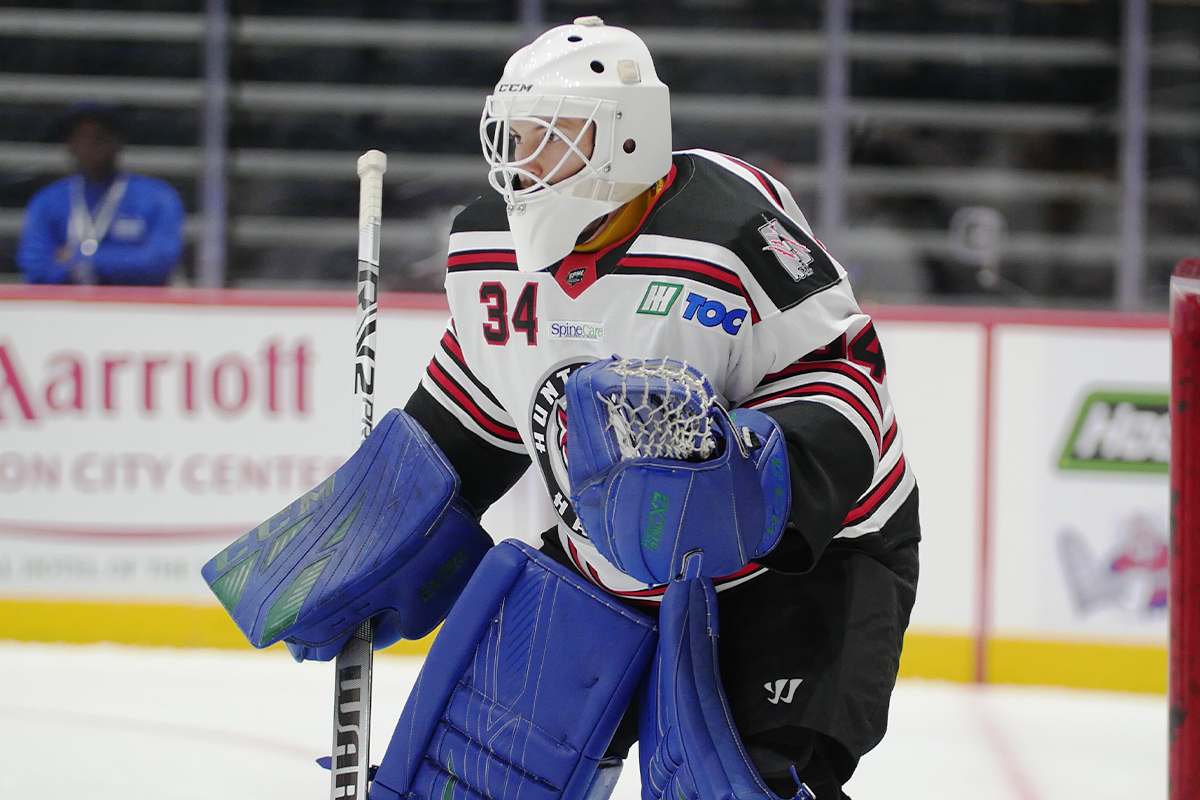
pixel 647 514
pixel 522 690
pixel 688 745
pixel 383 538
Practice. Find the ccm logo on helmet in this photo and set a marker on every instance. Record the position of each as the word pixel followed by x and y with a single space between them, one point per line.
pixel 513 87
pixel 711 313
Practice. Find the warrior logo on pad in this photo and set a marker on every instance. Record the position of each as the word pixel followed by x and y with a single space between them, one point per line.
pixel 795 257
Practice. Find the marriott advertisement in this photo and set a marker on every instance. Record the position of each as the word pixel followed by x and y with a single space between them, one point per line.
pixel 136 439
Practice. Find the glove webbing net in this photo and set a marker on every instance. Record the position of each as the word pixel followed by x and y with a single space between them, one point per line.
pixel 661 410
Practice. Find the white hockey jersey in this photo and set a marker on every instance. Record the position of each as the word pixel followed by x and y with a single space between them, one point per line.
pixel 723 272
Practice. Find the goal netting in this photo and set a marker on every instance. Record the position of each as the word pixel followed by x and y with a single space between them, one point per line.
pixel 661 409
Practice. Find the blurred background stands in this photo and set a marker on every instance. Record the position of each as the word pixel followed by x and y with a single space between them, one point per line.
pixel 923 108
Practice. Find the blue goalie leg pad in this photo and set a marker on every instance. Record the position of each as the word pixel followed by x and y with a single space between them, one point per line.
pixel 688 745
pixel 522 690
pixel 383 538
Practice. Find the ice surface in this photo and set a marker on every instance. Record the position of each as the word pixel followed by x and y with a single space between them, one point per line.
pixel 107 722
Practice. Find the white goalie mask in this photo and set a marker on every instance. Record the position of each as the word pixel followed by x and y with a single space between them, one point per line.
pixel 603 79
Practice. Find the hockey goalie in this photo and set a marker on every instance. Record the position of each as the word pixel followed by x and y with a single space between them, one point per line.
pixel 663 339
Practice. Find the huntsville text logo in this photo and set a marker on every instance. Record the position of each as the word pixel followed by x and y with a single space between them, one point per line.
pixel 1120 431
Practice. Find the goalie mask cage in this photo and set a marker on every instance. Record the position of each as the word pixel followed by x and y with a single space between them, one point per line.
pixel 1184 678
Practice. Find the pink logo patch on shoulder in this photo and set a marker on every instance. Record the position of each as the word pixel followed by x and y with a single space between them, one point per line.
pixel 793 256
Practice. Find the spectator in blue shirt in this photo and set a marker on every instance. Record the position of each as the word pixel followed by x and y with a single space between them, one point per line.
pixel 101 225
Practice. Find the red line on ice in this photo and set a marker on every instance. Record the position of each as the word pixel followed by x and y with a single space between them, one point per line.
pixel 132 531
pixel 1020 782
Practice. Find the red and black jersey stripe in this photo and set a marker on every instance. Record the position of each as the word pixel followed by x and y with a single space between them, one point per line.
pixel 461 398
pixel 840 367
pixel 691 269
pixel 453 350
pixel 889 437
pixel 762 178
pixel 651 594
pixel 468 260
pixel 821 388
pixel 877 495
pixel 714 181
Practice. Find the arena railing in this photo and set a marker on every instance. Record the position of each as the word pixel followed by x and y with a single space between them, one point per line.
pixel 504 37
pixel 725 110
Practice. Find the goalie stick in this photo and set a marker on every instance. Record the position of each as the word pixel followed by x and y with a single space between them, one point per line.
pixel 350 765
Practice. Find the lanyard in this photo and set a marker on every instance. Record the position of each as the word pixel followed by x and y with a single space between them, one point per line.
pixel 85 229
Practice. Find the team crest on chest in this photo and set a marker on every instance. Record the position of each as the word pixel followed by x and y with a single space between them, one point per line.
pixel 548 424
pixel 793 256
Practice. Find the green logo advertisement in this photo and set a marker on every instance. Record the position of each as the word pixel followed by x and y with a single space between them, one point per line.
pixel 1119 431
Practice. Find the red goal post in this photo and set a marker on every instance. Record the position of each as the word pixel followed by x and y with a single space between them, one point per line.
pixel 1184 679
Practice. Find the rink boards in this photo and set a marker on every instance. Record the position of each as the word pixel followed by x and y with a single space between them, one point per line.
pixel 141 430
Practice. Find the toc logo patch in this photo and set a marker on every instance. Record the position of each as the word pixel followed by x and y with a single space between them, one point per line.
pixel 659 298
pixel 1120 431
pixel 711 313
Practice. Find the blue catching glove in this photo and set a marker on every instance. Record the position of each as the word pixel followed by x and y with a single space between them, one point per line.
pixel 659 471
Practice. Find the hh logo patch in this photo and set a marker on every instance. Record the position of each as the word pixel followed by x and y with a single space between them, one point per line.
pixel 793 256
pixel 659 298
